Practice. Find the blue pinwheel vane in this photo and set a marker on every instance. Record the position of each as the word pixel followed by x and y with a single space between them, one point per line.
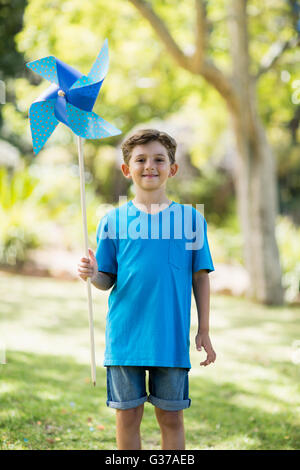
pixel 70 100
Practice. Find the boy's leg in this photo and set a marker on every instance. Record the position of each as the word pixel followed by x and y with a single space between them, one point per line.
pixel 128 428
pixel 126 392
pixel 169 393
pixel 172 429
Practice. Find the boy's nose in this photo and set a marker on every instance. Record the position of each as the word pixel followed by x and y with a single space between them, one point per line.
pixel 149 165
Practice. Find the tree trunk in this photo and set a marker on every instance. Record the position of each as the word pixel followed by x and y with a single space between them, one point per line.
pixel 255 184
pixel 255 176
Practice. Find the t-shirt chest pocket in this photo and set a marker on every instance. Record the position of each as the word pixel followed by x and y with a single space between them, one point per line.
pixel 178 255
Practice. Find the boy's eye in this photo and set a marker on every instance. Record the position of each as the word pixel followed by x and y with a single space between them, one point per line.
pixel 157 159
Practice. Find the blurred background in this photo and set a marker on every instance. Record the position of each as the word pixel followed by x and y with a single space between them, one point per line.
pixel 223 79
pixel 150 84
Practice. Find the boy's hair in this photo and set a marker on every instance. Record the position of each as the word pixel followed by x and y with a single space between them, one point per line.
pixel 144 136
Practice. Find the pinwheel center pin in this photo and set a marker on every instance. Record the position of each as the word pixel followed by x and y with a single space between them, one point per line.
pixel 61 93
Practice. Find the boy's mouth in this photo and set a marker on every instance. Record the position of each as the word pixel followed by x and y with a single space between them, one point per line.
pixel 149 176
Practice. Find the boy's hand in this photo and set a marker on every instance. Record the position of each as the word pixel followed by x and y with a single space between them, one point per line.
pixel 202 339
pixel 88 267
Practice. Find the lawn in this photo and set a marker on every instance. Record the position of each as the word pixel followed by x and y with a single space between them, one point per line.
pixel 248 399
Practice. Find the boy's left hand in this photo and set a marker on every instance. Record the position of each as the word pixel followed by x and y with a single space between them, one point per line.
pixel 202 339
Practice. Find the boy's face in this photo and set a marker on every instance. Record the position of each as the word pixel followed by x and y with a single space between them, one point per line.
pixel 149 159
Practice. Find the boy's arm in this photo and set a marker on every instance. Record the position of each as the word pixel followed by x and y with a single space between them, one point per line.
pixel 88 267
pixel 201 291
pixel 104 281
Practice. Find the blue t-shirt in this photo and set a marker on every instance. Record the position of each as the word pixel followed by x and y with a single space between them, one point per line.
pixel 153 256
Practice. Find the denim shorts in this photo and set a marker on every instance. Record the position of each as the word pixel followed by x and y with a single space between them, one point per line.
pixel 168 387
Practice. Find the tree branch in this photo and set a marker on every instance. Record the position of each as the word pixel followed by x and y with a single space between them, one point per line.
pixel 221 83
pixel 274 53
pixel 206 68
pixel 163 33
pixel 201 31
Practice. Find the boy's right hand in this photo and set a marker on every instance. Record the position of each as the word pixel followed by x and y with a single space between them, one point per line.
pixel 88 267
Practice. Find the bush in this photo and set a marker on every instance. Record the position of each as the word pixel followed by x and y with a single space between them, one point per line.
pixel 17 211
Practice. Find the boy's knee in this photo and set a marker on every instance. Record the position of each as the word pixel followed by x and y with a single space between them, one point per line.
pixel 169 419
pixel 131 416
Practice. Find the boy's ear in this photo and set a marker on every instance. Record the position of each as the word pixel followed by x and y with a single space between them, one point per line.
pixel 173 169
pixel 125 170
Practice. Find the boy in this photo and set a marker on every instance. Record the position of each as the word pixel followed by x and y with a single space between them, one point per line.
pixel 146 256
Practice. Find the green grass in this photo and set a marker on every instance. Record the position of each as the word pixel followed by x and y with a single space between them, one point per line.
pixel 248 399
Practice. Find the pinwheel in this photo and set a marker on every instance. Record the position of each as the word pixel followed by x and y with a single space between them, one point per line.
pixel 70 100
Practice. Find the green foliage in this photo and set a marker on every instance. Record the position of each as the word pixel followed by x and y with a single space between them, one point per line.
pixel 226 245
pixel 40 207
pixel 17 211
pixel 143 83
pixel 75 34
pixel 143 80
pixel 11 16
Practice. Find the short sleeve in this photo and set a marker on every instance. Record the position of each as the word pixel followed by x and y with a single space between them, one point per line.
pixel 201 253
pixel 106 247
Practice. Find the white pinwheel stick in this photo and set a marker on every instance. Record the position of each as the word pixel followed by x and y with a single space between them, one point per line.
pixel 85 233
pixel 70 100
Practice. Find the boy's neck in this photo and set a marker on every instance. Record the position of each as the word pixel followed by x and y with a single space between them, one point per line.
pixel 146 200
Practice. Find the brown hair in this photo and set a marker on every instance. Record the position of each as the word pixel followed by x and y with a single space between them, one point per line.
pixel 144 136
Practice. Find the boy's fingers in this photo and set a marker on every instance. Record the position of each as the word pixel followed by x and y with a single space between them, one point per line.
pixel 204 363
pixel 85 270
pixel 209 359
pixel 209 350
pixel 83 266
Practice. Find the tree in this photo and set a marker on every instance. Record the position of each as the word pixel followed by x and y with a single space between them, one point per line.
pixel 11 60
pixel 255 176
